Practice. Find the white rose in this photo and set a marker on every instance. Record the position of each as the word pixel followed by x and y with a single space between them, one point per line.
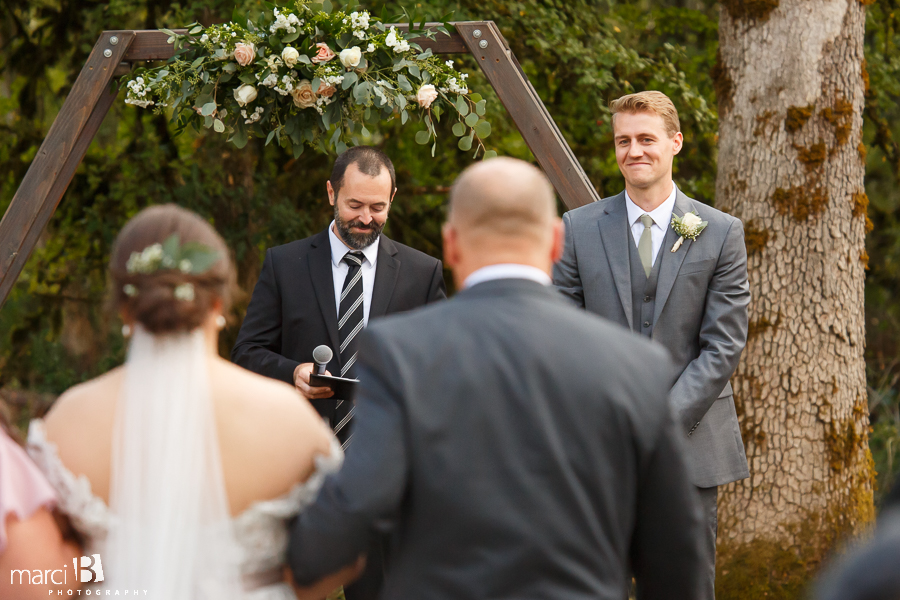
pixel 245 94
pixel 426 95
pixel 290 56
pixel 691 221
pixel 350 57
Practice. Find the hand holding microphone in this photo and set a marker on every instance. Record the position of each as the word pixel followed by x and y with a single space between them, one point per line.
pixel 322 355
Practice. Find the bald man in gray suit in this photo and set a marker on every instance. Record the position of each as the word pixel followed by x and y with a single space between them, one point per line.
pixel 502 436
pixel 625 262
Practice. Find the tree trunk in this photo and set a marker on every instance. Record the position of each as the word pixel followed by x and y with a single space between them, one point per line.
pixel 789 81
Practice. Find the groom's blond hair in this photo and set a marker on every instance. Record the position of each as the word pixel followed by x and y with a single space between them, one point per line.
pixel 651 102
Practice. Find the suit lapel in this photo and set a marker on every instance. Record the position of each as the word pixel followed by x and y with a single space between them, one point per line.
pixel 671 262
pixel 319 263
pixel 386 271
pixel 615 237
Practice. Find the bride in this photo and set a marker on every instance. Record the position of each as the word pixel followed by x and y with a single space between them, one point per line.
pixel 179 469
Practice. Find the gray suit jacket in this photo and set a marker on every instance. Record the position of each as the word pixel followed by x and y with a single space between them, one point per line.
pixel 502 434
pixel 700 316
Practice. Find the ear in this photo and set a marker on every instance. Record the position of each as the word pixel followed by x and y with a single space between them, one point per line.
pixel 331 195
pixel 559 240
pixel 451 245
pixel 677 142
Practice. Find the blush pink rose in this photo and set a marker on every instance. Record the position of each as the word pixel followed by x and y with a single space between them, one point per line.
pixel 427 94
pixel 244 53
pixel 303 94
pixel 326 91
pixel 324 54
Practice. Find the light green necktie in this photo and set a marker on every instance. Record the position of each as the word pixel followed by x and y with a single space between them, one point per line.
pixel 645 245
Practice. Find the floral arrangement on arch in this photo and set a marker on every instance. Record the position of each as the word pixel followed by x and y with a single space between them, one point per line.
pixel 308 75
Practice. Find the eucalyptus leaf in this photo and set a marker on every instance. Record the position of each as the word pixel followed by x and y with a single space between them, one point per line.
pixel 476 97
pixel 349 79
pixel 404 83
pixel 465 143
pixel 298 150
pixel 490 154
pixel 472 120
pixel 270 136
pixel 459 129
pixel 481 107
pixel 422 137
pixel 462 106
pixel 316 83
pixel 305 59
pixel 240 135
pixel 327 7
pixel 208 109
pixel 414 71
pixel 196 30
pixel 365 132
pixel 290 37
pixel 483 129
pixel 404 116
pixel 219 126
pixel 341 147
pixel 197 62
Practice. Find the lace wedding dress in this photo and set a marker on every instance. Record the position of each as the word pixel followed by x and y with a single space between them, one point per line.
pixel 176 549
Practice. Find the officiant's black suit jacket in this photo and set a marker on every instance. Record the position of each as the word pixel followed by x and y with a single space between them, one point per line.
pixel 524 449
pixel 293 306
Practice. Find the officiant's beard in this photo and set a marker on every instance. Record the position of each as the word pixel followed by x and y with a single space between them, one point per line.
pixel 357 241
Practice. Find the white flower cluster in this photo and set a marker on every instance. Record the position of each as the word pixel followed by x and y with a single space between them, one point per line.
pixel 322 102
pixel 184 292
pixel 253 117
pixel 333 79
pixel 360 23
pixel 288 23
pixel 456 86
pixel 146 261
pixel 397 43
pixel 288 82
pixel 136 92
pixel 270 81
pixel 370 48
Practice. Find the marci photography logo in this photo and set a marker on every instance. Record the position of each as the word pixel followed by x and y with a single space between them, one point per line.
pixel 87 569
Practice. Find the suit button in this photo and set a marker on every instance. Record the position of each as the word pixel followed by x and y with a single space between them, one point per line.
pixel 647 298
pixel 646 323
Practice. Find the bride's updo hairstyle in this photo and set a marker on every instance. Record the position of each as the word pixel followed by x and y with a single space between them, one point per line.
pixel 163 295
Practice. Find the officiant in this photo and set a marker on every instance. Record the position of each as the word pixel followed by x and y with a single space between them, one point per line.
pixel 325 288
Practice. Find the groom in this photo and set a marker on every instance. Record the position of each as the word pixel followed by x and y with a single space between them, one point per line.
pixel 623 261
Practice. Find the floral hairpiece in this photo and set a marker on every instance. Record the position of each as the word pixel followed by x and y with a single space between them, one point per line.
pixel 191 258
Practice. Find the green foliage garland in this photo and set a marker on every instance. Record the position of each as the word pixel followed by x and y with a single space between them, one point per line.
pixel 309 75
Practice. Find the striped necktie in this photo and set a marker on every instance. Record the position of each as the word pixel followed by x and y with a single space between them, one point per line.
pixel 350 324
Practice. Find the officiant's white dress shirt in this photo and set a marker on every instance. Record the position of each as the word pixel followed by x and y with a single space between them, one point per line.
pixel 662 218
pixel 339 270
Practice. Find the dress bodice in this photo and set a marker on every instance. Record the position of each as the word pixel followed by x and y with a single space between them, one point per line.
pixel 260 530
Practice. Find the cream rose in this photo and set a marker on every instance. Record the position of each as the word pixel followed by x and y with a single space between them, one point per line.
pixel 350 57
pixel 303 94
pixel 427 94
pixel 324 54
pixel 244 53
pixel 245 94
pixel 290 56
pixel 325 90
pixel 691 221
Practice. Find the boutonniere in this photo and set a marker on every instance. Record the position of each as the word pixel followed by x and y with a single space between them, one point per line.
pixel 689 226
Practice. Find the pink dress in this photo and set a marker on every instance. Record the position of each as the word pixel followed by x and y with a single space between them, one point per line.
pixel 23 488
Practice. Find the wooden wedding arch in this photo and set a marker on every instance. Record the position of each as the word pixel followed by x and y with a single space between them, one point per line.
pixel 94 92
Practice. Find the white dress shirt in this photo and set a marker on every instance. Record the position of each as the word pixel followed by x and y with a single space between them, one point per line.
pixel 662 218
pixel 339 270
pixel 506 271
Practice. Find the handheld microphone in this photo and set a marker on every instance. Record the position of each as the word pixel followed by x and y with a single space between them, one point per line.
pixel 322 355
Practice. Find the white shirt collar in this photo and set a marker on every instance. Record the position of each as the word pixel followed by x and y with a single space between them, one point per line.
pixel 507 271
pixel 661 215
pixel 339 248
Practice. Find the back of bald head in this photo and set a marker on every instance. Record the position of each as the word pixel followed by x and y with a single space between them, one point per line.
pixel 503 200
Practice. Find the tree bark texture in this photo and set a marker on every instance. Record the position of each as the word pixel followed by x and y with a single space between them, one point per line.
pixel 790 88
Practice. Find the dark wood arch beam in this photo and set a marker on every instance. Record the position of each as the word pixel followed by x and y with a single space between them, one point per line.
pixel 93 94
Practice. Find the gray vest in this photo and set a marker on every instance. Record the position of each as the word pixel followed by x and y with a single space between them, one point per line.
pixel 643 289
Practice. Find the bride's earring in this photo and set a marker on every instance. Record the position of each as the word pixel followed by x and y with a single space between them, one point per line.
pixel 126 331
pixel 220 321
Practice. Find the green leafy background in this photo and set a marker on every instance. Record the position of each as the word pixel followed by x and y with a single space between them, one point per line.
pixel 56 329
